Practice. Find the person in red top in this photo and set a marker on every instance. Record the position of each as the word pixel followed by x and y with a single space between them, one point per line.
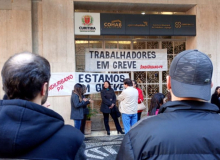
pixel 140 98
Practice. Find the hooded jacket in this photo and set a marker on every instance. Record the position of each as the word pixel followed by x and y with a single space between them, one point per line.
pixel 31 131
pixel 184 130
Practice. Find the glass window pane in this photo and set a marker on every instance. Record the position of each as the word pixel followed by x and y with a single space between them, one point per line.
pixel 169 60
pixel 124 44
pixel 168 45
pixel 153 77
pixel 164 89
pixel 152 89
pixel 95 44
pixel 140 77
pixel 179 47
pixel 152 45
pixel 80 54
pixel 111 44
pixel 164 76
pixel 139 45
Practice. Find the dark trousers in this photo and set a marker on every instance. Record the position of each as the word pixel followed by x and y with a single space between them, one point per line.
pixel 139 115
pixel 83 124
pixel 115 118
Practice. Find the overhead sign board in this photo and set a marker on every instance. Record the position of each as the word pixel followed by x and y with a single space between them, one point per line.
pixel 112 24
pixel 87 23
pixel 161 25
pixel 137 24
pixel 134 24
pixel 184 25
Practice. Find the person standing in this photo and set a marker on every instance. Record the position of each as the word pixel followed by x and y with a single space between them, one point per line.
pixel 108 107
pixel 77 103
pixel 128 104
pixel 85 111
pixel 157 100
pixel 216 97
pixel 140 98
pixel 27 129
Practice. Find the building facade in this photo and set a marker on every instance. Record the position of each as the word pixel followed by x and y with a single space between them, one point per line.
pixel 46 27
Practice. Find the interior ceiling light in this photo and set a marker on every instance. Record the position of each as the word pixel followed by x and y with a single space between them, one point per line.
pixel 166 12
pixel 143 13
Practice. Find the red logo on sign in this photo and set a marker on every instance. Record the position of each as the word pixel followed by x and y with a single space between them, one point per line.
pixel 87 20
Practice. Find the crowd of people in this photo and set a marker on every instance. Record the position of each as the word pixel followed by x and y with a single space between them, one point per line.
pixel 182 125
pixel 129 106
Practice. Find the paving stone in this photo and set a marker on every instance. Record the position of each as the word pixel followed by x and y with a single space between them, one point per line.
pixel 103 147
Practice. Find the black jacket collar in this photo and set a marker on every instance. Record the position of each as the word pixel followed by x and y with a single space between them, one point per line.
pixel 172 106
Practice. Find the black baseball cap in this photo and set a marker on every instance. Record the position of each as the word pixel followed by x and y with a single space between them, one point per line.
pixel 191 75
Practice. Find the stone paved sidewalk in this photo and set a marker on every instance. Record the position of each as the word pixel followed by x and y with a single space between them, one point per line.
pixel 103 147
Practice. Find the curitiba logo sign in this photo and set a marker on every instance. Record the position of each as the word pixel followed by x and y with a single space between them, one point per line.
pixel 87 20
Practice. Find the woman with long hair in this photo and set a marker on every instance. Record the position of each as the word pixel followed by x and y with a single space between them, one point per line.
pixel 216 97
pixel 155 103
pixel 108 107
pixel 140 98
pixel 77 104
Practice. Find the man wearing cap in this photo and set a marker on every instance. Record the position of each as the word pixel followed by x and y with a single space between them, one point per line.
pixel 188 126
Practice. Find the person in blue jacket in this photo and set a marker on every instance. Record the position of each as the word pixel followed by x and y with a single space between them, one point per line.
pixel 27 129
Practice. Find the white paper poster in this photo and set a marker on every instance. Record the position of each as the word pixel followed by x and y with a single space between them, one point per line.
pixel 63 83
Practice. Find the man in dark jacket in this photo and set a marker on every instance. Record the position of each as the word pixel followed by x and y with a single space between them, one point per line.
pixel 27 129
pixel 188 126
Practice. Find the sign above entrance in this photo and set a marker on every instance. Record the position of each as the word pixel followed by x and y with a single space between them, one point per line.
pixel 125 60
pixel 161 25
pixel 148 25
pixel 184 25
pixel 87 23
pixel 112 24
pixel 134 24
pixel 137 24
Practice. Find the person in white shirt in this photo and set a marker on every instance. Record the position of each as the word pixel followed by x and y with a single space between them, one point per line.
pixel 128 105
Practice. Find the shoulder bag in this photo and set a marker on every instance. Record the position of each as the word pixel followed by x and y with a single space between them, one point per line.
pixel 116 111
pixel 141 106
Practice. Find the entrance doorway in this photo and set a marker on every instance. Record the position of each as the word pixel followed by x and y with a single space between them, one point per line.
pixel 149 81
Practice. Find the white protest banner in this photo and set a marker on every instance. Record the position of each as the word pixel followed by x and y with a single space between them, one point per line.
pixel 62 84
pixel 126 60
pixel 87 23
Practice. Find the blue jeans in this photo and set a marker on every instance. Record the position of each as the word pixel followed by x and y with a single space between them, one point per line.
pixel 128 121
pixel 77 123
